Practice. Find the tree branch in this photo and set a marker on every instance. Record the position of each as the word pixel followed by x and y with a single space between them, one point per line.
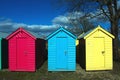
pixel 118 13
pixel 115 5
pixel 110 9
pixel 104 12
pixel 98 15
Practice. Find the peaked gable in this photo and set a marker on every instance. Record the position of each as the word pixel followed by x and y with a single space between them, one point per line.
pixel 17 31
pixel 61 29
pixel 90 32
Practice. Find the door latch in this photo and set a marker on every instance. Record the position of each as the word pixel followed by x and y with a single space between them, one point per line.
pixel 65 52
pixel 103 52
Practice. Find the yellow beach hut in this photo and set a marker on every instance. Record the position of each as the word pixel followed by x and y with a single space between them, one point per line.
pixel 96 50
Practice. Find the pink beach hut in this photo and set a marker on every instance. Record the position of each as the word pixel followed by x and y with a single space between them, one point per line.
pixel 26 50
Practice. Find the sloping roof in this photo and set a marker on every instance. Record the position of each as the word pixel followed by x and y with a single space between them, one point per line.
pixel 87 34
pixel 3 35
pixel 60 29
pixel 32 34
pixel 35 34
pixel 84 34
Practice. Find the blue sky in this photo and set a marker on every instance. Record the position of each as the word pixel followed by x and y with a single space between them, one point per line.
pixel 34 15
pixel 28 11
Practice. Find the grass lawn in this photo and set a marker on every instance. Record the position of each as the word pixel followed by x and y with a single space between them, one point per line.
pixel 79 74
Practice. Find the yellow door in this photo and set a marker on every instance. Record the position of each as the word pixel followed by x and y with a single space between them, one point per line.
pixel 99 52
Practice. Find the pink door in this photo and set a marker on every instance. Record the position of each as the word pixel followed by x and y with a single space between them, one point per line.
pixel 21 53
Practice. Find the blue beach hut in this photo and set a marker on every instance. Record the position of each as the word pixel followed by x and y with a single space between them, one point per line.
pixel 61 51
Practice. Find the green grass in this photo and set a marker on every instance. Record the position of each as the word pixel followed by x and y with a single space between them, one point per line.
pixel 79 74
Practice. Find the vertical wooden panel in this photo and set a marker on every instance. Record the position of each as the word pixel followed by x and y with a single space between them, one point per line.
pixel 12 54
pixel 31 54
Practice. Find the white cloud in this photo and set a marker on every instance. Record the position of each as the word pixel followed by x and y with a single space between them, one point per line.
pixel 16 25
pixel 64 20
pixel 75 15
pixel 41 26
pixel 60 20
pixel 5 22
pixel 9 26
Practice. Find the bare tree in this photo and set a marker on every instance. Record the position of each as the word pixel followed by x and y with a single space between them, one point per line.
pixel 109 8
pixel 80 24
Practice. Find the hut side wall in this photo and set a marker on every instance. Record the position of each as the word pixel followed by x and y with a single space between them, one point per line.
pixel 82 54
pixel 40 51
pixel 4 51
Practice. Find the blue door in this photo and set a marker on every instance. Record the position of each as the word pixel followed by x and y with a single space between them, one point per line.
pixel 61 60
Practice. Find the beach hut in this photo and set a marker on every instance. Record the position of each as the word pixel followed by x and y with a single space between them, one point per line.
pixel 96 50
pixel 26 50
pixel 3 51
pixel 61 51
